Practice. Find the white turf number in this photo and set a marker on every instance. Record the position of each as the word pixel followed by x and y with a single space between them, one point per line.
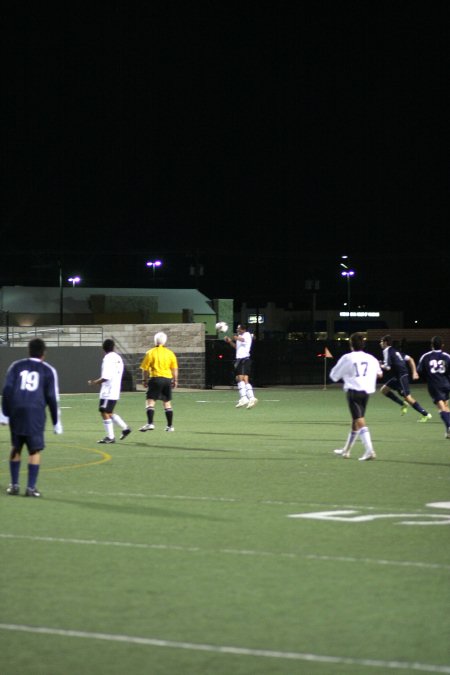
pixel 29 380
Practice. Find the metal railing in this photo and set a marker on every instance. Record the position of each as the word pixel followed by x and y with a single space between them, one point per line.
pixel 131 369
pixel 73 336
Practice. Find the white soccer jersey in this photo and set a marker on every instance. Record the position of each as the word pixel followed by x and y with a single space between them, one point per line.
pixel 243 348
pixel 112 371
pixel 358 370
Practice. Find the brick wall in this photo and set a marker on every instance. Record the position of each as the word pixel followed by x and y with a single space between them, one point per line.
pixel 187 340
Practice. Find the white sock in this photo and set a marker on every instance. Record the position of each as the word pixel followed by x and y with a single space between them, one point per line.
pixel 366 439
pixel 249 391
pixel 353 435
pixel 119 421
pixel 109 428
pixel 241 388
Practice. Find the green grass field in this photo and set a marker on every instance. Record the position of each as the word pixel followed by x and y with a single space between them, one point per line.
pixel 238 545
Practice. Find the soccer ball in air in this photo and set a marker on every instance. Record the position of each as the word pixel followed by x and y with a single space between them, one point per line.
pixel 221 326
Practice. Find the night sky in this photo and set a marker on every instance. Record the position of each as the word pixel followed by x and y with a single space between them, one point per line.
pixel 257 142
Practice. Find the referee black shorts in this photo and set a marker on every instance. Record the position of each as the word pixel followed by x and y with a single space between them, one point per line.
pixel 159 389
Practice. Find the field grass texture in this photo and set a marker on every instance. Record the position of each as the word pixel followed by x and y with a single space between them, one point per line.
pixel 239 544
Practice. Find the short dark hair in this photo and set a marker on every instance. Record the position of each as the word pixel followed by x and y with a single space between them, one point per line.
pixel 108 345
pixel 387 339
pixel 36 348
pixel 436 342
pixel 357 341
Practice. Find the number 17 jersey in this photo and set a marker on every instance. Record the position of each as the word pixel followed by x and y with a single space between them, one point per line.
pixel 358 370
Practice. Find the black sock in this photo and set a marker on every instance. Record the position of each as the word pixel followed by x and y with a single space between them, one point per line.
pixel 419 408
pixel 33 470
pixel 394 398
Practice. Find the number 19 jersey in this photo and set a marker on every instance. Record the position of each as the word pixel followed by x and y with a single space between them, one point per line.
pixel 30 385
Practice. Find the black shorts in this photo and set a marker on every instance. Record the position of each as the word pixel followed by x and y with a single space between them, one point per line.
pixel 438 393
pixel 107 405
pixel 159 389
pixel 34 442
pixel 400 384
pixel 243 366
pixel 357 402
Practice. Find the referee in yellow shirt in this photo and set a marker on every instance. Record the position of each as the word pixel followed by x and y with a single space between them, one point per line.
pixel 160 375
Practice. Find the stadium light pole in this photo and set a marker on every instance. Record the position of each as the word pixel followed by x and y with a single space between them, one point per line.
pixel 61 292
pixel 74 280
pixel 349 273
pixel 154 264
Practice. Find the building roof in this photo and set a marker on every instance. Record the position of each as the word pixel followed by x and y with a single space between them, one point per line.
pixel 44 300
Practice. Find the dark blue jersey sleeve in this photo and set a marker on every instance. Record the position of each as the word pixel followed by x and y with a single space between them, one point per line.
pixel 52 392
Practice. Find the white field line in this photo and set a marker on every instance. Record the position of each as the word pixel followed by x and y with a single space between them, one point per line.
pixel 237 500
pixel 266 400
pixel 223 551
pixel 268 502
pixel 229 650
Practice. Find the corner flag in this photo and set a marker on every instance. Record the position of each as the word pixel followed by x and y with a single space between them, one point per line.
pixel 327 354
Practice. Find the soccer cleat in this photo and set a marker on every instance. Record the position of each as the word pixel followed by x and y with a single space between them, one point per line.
pixel 425 418
pixel 242 402
pixel 169 429
pixel 32 492
pixel 404 408
pixel 447 435
pixel 107 440
pixel 147 427
pixel 342 453
pixel 125 433
pixel 367 455
pixel 252 403
pixel 12 489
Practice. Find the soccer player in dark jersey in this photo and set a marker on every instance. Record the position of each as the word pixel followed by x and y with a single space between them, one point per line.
pixel 398 379
pixel 434 367
pixel 30 386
